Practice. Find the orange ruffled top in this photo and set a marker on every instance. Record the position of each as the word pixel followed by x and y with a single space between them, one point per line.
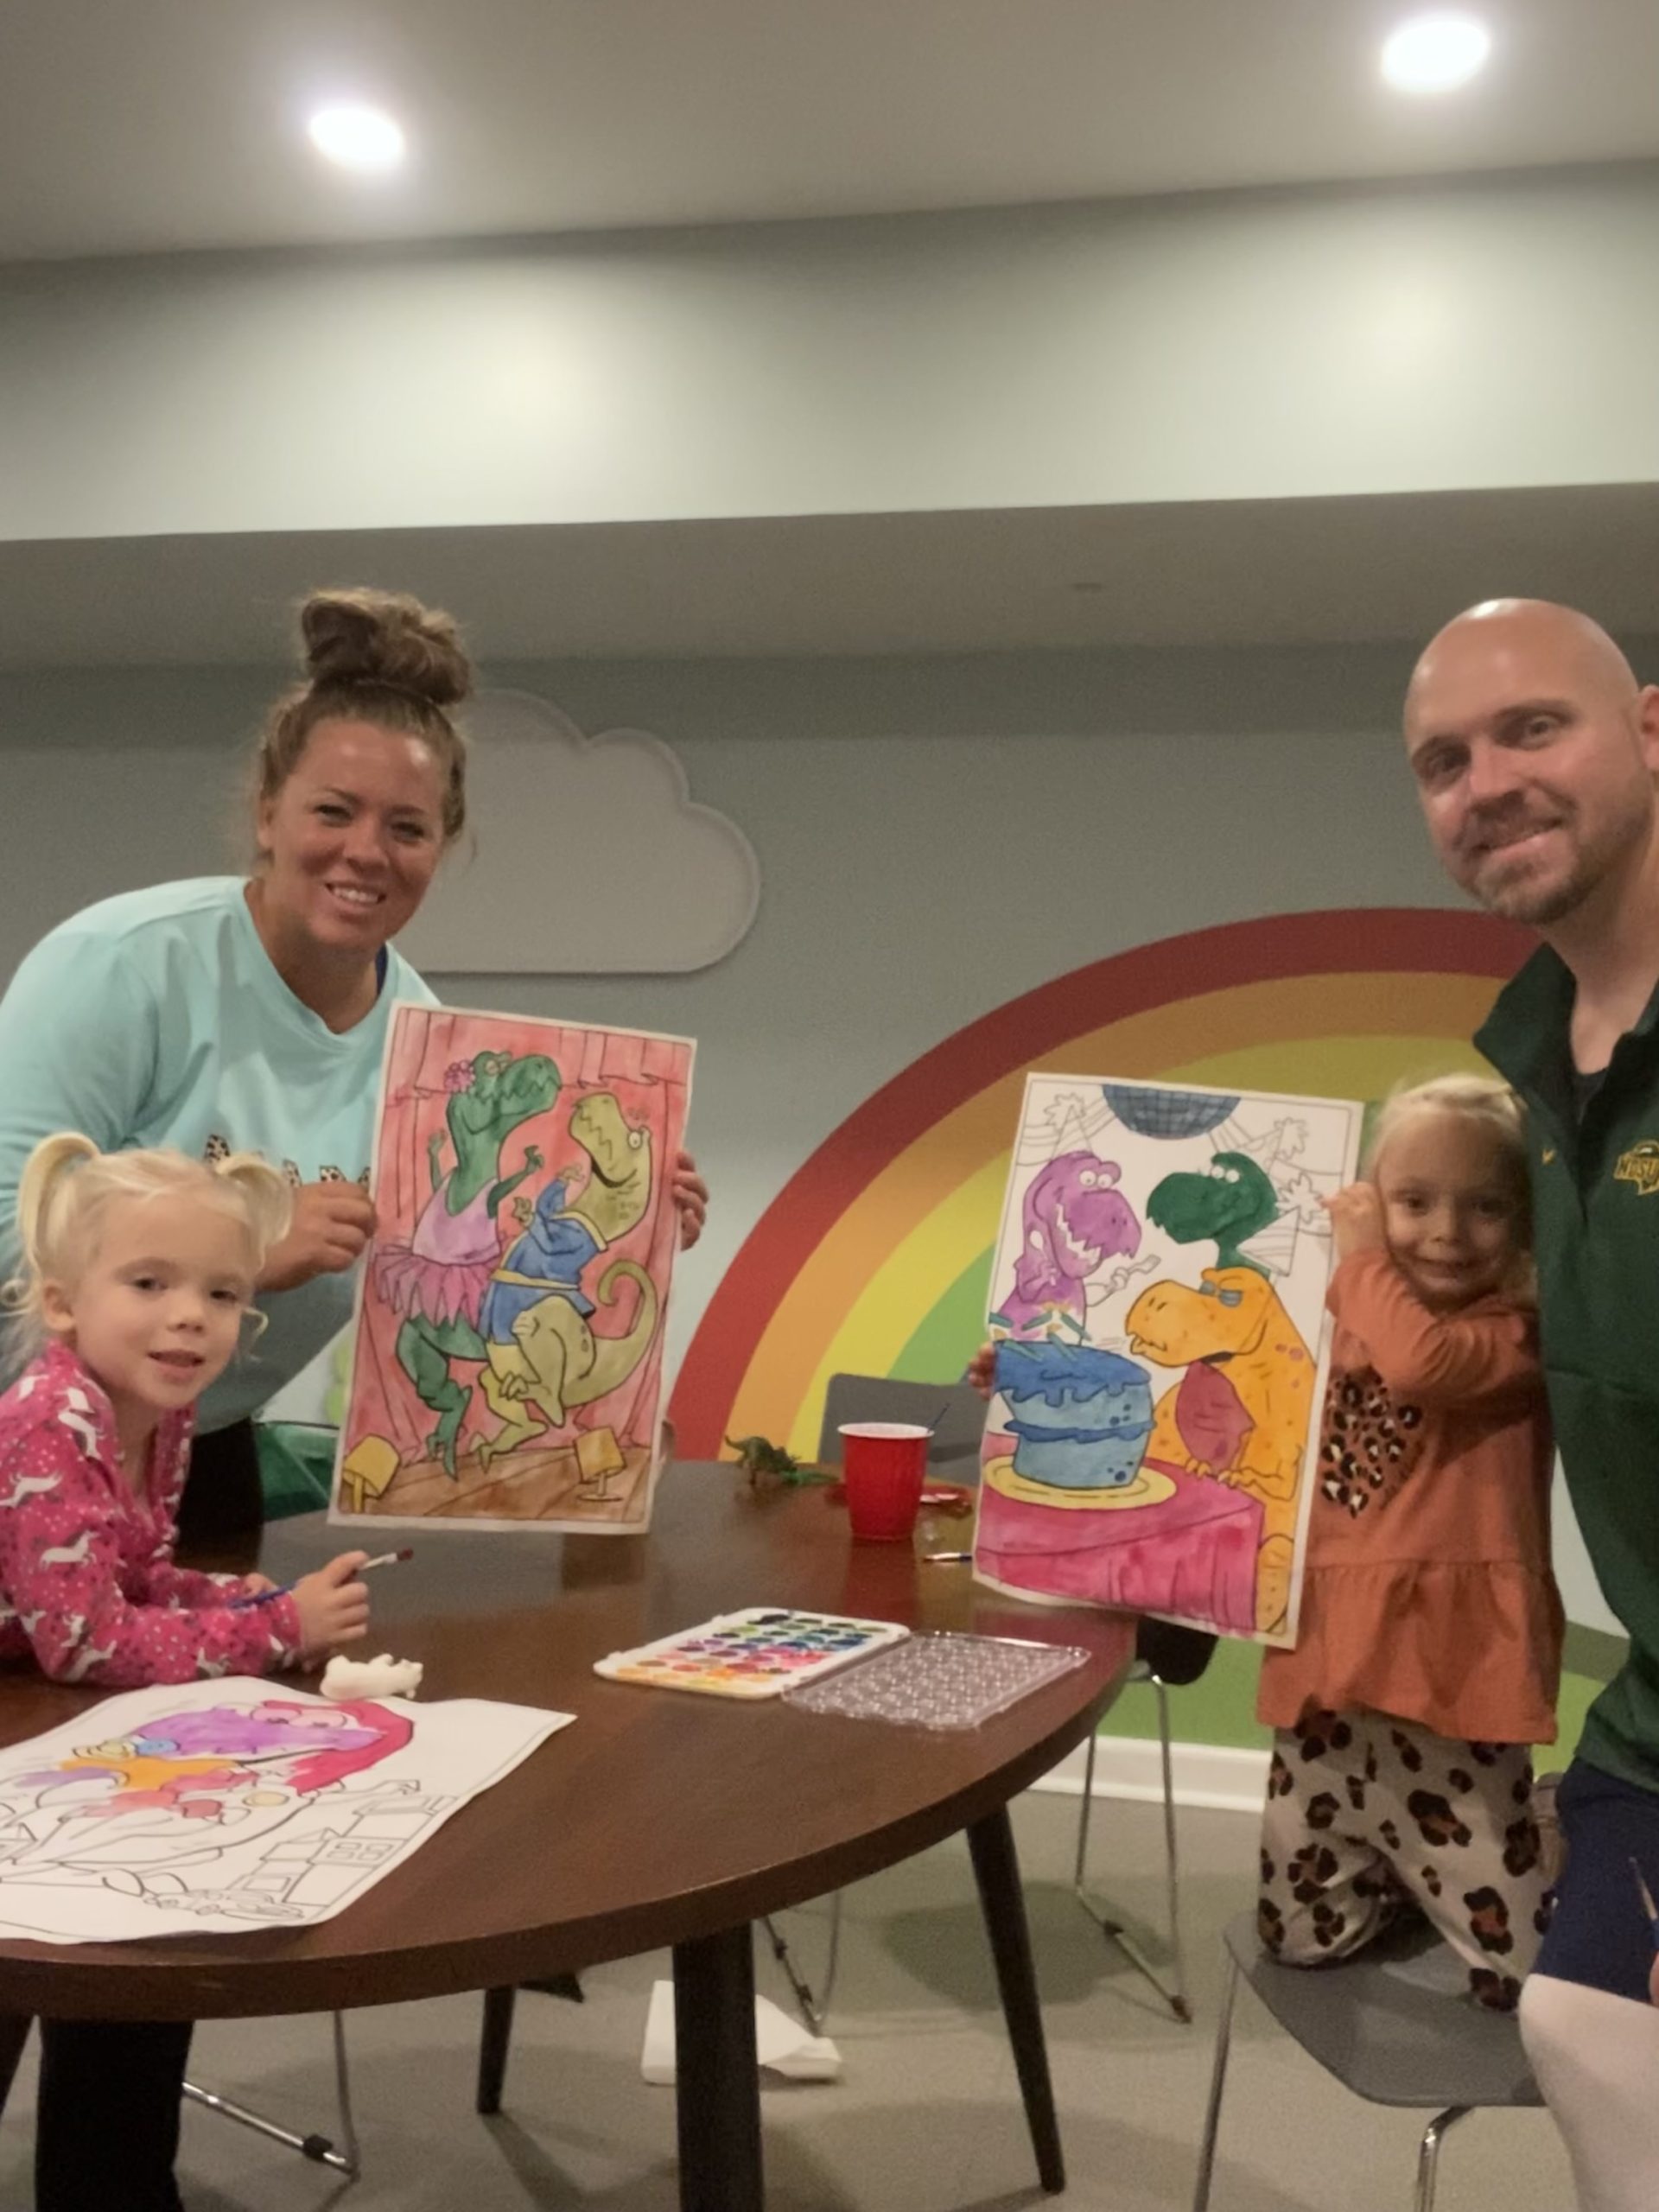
pixel 1427 1591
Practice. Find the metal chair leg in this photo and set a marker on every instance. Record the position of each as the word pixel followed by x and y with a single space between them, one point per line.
pixel 1428 2155
pixel 319 2149
pixel 351 2151
pixel 1217 2084
pixel 1104 1918
pixel 1088 1809
pixel 1178 2002
pixel 814 2011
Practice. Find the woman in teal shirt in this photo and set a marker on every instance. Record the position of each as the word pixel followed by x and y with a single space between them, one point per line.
pixel 221 1014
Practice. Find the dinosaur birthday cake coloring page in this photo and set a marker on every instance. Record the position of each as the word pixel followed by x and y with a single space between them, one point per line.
pixel 1157 1303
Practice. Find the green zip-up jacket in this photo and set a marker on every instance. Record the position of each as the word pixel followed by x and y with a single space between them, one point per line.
pixel 1595 1199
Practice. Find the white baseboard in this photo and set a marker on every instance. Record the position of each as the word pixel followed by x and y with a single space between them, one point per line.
pixel 1214 1776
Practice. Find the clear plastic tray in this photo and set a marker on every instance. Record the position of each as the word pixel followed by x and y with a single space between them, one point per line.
pixel 940 1681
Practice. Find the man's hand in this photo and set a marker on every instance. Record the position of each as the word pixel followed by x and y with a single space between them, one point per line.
pixel 691 1196
pixel 332 1224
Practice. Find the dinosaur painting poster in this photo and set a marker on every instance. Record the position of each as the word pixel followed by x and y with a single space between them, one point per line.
pixel 1157 1301
pixel 217 1808
pixel 507 1359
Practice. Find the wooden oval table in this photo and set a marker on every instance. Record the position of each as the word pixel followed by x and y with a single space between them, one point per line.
pixel 658 1819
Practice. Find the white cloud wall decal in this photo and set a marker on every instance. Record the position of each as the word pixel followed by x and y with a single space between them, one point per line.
pixel 583 856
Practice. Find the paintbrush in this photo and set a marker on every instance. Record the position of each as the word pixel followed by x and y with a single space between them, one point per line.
pixel 264 1597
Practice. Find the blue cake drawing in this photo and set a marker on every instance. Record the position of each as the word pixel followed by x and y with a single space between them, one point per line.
pixel 1080 1417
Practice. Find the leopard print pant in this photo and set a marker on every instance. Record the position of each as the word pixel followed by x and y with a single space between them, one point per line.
pixel 1365 1814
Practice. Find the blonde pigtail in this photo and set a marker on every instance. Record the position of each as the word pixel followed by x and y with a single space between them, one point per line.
pixel 266 1197
pixel 42 1203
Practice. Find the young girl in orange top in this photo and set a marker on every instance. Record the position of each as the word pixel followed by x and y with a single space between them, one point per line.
pixel 1429 1648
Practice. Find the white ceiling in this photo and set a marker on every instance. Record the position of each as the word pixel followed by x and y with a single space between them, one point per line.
pixel 133 125
pixel 1283 572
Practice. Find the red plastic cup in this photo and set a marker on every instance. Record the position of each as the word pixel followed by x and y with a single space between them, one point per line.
pixel 884 1465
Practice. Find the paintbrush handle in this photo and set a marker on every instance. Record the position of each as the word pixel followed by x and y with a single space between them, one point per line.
pixel 286 1589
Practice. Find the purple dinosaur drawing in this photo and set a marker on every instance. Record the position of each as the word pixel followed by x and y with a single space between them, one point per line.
pixel 1073 1220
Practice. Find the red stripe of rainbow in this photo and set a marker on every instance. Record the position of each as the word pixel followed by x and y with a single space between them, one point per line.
pixel 874 1229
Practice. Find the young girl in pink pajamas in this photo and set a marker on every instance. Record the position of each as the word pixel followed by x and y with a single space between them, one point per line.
pixel 138 1274
pixel 139 1270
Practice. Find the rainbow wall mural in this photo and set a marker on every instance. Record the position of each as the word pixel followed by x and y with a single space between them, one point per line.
pixel 874 1258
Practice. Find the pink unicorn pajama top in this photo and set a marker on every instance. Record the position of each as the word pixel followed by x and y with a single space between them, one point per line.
pixel 87 1585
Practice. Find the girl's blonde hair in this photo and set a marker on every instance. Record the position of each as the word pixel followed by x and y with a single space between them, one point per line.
pixel 68 1185
pixel 1476 1097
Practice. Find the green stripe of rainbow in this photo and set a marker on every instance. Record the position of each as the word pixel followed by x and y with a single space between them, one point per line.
pixel 873 1258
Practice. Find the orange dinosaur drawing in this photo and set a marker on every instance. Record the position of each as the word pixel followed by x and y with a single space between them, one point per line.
pixel 1241 1412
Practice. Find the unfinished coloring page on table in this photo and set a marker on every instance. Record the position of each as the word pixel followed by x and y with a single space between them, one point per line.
pixel 507 1360
pixel 223 1806
pixel 1157 1306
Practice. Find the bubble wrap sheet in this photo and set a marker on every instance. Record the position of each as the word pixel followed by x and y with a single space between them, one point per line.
pixel 941 1681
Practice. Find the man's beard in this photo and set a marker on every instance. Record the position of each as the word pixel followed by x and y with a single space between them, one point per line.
pixel 1540 904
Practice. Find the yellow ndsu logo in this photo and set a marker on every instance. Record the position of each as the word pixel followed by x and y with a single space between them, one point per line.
pixel 1640 1165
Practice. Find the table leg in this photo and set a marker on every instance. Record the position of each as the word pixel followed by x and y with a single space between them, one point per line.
pixel 14 2034
pixel 718 2080
pixel 996 1869
pixel 492 2047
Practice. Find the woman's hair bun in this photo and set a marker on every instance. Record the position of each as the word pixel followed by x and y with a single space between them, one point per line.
pixel 383 637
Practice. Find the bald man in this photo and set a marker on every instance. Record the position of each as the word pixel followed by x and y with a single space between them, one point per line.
pixel 1536 752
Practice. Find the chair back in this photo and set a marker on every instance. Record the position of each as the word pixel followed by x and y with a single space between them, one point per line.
pixel 954 1411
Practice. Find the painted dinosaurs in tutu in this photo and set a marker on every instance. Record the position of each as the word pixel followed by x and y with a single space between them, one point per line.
pixel 438 1280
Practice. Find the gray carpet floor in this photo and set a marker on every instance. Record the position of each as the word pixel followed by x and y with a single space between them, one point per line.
pixel 927 2117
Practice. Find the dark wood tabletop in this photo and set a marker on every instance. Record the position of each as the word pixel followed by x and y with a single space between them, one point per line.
pixel 658 1817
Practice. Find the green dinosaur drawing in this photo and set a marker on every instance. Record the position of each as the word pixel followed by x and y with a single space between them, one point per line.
pixel 1232 1202
pixel 435 1279
pixel 541 1351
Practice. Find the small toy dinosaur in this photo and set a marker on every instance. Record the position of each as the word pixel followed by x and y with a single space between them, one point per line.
pixel 763 1460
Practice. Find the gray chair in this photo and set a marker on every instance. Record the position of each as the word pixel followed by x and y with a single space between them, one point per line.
pixel 1168 1657
pixel 955 1413
pixel 344 2158
pixel 1104 1915
pixel 1390 2025
pixel 1165 1656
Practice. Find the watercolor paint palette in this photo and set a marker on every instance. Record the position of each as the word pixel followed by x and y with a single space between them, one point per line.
pixel 760 1652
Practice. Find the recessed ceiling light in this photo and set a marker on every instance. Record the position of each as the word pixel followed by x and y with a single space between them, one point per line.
pixel 1435 53
pixel 364 138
